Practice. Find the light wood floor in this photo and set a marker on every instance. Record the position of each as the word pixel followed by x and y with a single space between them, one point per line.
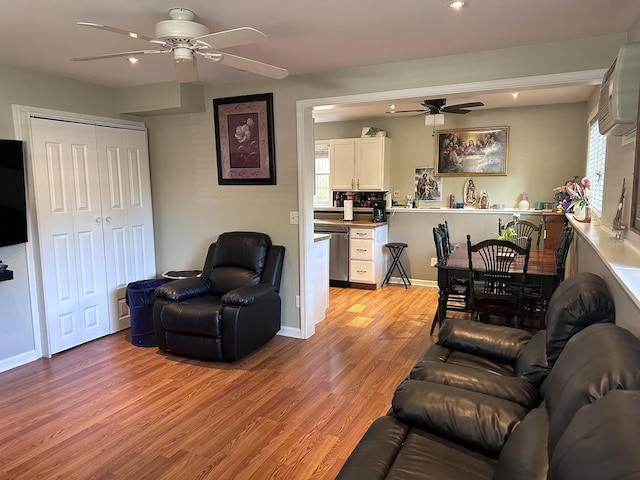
pixel 293 410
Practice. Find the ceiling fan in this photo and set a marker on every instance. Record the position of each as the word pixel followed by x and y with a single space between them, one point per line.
pixel 433 107
pixel 185 38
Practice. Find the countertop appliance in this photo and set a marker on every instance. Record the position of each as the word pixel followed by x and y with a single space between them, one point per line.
pixel 338 253
pixel 379 211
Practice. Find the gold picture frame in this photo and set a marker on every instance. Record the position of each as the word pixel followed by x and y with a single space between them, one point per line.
pixel 472 151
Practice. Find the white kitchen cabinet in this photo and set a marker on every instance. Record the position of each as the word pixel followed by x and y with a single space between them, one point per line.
pixel 360 163
pixel 367 262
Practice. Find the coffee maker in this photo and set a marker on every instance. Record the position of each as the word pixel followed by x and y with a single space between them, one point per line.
pixel 379 211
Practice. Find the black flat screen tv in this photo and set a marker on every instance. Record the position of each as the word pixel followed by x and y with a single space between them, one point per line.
pixel 13 203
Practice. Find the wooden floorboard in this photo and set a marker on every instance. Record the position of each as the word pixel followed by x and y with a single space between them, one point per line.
pixel 294 409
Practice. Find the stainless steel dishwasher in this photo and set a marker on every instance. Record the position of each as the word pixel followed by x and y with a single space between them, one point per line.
pixel 338 253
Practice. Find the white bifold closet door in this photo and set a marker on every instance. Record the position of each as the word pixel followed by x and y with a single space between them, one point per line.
pixel 95 226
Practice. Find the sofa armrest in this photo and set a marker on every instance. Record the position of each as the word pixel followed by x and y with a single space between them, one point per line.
pixel 481 421
pixel 248 294
pixel 497 342
pixel 514 389
pixel 184 289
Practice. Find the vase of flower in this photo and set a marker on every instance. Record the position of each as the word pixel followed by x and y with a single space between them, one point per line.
pixel 524 202
pixel 582 213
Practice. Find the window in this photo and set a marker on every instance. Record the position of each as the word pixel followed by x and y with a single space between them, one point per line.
pixel 596 157
pixel 321 191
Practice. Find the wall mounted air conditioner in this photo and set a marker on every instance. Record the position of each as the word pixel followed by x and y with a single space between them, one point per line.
pixel 618 104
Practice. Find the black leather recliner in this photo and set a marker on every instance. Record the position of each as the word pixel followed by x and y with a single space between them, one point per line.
pixel 231 309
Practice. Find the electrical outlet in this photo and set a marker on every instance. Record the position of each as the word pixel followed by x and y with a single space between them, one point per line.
pixel 434 261
pixel 396 193
pixel 294 218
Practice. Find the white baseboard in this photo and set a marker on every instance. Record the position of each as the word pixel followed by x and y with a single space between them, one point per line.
pixel 290 332
pixel 417 283
pixel 18 360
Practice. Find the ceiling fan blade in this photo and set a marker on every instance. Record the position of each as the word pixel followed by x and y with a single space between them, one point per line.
pixel 247 65
pixel 231 38
pixel 407 111
pixel 464 105
pixel 115 30
pixel 187 72
pixel 119 54
pixel 455 110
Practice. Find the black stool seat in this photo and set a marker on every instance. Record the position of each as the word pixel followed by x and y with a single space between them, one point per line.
pixel 396 249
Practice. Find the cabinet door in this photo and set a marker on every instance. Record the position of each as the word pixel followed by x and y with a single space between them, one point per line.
pixel 342 174
pixel 70 234
pixel 370 163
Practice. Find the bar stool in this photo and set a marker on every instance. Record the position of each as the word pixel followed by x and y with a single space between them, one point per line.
pixel 396 249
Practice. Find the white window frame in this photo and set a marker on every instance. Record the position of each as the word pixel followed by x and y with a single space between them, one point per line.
pixel 322 165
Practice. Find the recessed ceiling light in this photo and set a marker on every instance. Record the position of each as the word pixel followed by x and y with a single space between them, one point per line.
pixel 515 94
pixel 458 4
pixel 392 106
pixel 133 60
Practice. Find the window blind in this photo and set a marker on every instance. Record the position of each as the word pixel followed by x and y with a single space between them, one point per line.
pixel 596 158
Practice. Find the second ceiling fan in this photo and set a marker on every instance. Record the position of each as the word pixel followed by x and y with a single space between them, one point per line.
pixel 438 105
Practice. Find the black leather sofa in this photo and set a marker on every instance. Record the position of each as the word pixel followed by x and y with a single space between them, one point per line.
pixel 231 309
pixel 491 402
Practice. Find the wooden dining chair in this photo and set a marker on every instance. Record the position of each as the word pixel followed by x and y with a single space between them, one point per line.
pixel 524 229
pixel 533 307
pixel 457 291
pixel 494 288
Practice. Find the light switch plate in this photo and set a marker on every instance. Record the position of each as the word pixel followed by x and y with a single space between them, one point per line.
pixel 294 218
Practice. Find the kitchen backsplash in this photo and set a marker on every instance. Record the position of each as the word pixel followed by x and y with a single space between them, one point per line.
pixel 360 199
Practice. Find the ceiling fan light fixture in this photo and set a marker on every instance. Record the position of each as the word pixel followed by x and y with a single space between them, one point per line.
pixel 182 55
pixel 434 120
pixel 458 4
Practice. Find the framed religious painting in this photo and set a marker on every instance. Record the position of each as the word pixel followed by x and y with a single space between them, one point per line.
pixel 245 147
pixel 472 151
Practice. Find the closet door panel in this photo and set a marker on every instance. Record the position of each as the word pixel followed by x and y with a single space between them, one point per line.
pixel 69 231
pixel 140 211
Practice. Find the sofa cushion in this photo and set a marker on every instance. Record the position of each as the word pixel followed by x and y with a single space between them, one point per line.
pixel 198 316
pixel 524 456
pixel 391 450
pixel 473 419
pixel 599 359
pixel 579 301
pixel 601 442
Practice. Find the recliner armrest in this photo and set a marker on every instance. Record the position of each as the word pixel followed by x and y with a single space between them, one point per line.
pixel 496 342
pixel 249 294
pixel 184 289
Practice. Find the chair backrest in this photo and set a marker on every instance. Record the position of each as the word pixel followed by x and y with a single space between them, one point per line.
pixel 525 229
pixel 498 257
pixel 242 258
pixel 439 240
pixel 562 251
pixel 448 248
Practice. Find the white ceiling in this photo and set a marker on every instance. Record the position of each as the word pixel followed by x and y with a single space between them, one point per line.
pixel 304 36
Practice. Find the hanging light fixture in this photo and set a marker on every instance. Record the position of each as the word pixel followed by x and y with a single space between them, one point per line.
pixel 434 120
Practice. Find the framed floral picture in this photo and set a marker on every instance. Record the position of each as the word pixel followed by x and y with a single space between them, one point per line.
pixel 472 151
pixel 244 140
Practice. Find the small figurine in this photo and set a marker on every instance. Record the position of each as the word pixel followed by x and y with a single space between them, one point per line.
pixel 484 199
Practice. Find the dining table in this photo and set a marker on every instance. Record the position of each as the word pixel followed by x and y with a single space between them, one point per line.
pixel 541 273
